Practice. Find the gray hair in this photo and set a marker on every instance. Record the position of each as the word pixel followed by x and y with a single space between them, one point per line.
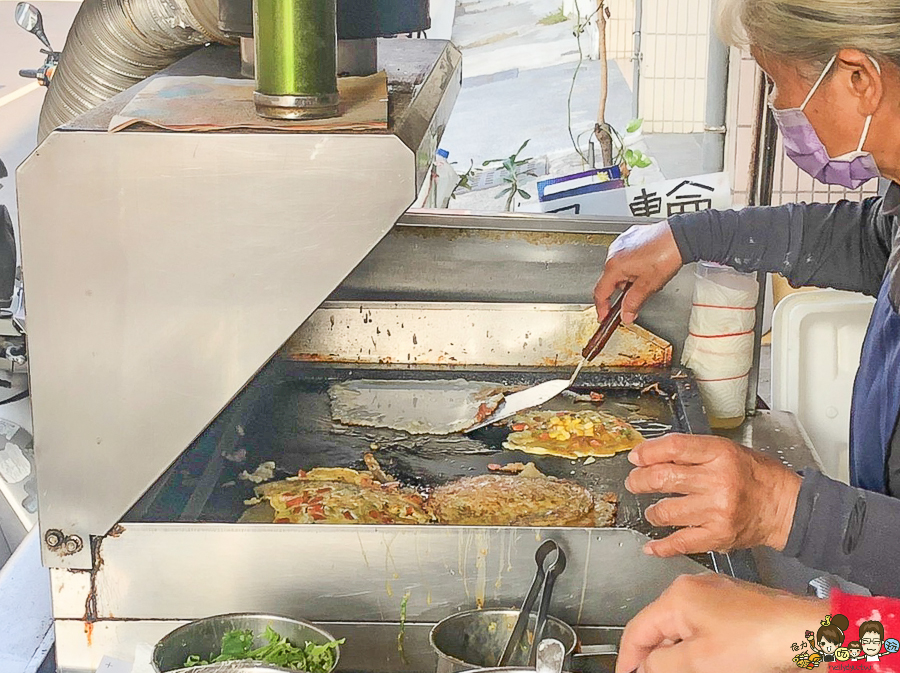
pixel 810 32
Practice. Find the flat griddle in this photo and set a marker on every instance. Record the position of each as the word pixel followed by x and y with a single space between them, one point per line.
pixel 284 416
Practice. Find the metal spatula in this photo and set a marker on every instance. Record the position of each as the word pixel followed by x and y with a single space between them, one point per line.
pixel 546 391
pixel 526 399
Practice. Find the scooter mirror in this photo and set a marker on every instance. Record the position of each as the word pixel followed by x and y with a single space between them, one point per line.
pixel 29 17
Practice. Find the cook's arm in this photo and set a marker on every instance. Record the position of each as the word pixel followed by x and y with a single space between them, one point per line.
pixel 844 245
pixel 847 531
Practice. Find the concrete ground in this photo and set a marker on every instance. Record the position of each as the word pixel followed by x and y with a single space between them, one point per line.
pixel 517 73
pixel 516 79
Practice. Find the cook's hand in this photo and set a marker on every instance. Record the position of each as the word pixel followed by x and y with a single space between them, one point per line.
pixel 712 623
pixel 647 257
pixel 731 497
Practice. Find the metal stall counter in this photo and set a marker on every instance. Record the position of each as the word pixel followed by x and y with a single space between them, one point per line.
pixel 167 280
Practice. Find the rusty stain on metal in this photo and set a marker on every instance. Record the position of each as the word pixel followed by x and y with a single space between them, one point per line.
pixel 548 337
pixel 331 357
pixel 549 239
pixel 116 530
pixel 90 603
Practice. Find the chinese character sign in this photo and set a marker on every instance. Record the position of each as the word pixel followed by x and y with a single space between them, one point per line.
pixel 680 196
pixel 580 194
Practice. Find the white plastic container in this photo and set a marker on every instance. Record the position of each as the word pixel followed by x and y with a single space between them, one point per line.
pixel 816 344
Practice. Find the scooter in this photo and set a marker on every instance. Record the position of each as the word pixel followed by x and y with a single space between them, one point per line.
pixel 29 18
pixel 12 300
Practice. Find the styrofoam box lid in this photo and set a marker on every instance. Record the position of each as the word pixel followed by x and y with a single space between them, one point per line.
pixel 816 343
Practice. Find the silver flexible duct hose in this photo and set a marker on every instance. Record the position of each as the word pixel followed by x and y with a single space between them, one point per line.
pixel 114 44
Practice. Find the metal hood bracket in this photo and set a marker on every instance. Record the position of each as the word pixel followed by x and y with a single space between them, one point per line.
pixel 163 270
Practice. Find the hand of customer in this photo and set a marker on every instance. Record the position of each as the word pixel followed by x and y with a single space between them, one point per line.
pixel 730 497
pixel 646 256
pixel 708 623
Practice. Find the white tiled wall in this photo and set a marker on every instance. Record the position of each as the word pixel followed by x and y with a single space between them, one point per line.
pixel 675 46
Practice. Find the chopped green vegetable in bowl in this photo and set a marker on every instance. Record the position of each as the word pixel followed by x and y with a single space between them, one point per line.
pixel 238 644
pixel 254 641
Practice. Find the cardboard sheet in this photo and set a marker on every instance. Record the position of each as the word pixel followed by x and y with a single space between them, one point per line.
pixel 203 103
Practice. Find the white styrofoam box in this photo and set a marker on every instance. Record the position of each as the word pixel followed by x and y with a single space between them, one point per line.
pixel 816 343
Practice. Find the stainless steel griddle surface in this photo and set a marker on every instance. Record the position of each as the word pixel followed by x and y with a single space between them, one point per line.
pixel 285 416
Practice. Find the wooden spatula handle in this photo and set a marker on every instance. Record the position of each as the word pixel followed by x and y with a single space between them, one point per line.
pixel 603 334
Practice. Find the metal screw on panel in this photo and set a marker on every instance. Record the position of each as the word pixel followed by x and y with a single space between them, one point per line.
pixel 54 538
pixel 73 544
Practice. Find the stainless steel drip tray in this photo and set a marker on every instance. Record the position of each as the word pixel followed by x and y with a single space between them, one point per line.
pixel 284 416
pixel 378 647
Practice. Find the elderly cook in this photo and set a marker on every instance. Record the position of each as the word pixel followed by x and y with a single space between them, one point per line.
pixel 834 66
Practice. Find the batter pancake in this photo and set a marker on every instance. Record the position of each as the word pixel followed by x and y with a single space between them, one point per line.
pixel 416 407
pixel 507 500
pixel 352 501
pixel 577 434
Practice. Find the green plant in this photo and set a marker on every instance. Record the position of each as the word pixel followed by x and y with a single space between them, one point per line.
pixel 636 159
pixel 465 180
pixel 554 17
pixel 630 157
pixel 581 24
pixel 602 130
pixel 514 172
pixel 634 126
pixel 612 147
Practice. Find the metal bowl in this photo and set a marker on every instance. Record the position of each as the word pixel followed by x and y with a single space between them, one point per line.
pixel 475 639
pixel 204 637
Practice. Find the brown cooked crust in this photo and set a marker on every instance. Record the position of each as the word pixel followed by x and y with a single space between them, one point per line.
pixel 605 510
pixel 340 495
pixel 506 500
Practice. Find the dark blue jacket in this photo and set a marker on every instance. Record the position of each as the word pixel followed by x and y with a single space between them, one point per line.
pixel 851 531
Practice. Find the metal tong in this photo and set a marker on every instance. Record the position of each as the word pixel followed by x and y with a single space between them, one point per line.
pixel 607 328
pixel 542 584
